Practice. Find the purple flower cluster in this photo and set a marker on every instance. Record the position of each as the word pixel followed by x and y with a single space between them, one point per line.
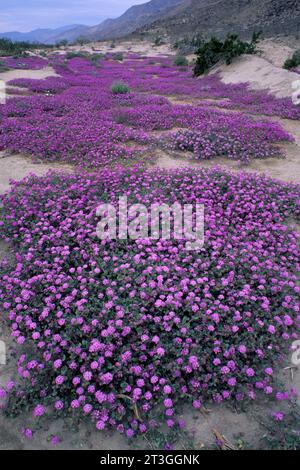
pixel 236 136
pixel 116 329
pixel 32 62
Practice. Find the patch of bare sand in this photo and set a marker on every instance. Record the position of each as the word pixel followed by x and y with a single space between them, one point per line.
pixel 34 74
pixel 236 427
pixel 17 167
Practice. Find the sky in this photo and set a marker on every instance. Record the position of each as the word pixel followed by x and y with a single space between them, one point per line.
pixel 26 15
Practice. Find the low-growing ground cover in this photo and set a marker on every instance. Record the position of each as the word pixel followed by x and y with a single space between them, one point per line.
pixel 26 63
pixel 123 331
pixel 78 118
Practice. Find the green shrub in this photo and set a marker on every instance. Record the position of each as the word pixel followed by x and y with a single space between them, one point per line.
pixel 120 118
pixel 293 62
pixel 62 43
pixel 82 41
pixel 73 54
pixel 95 59
pixel 158 41
pixel 181 61
pixel 211 52
pixel 120 88
pixel 3 67
pixel 118 56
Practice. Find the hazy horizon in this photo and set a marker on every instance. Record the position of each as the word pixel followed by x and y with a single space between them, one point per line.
pixel 57 13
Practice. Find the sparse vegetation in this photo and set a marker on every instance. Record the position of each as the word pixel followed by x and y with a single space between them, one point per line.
pixel 189 44
pixel 214 50
pixel 118 56
pixel 62 43
pixel 158 41
pixel 82 41
pixel 120 88
pixel 95 59
pixel 293 62
pixel 181 61
pixel 9 48
pixel 283 432
pixel 74 54
pixel 3 67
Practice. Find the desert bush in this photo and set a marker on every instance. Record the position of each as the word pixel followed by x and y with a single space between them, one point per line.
pixel 82 41
pixel 120 88
pixel 62 43
pixel 294 61
pixel 181 61
pixel 118 56
pixel 74 54
pixel 121 118
pixel 158 41
pixel 214 50
pixel 95 59
pixel 3 67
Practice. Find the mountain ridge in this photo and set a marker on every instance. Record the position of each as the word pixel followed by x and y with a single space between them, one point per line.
pixel 135 17
pixel 174 19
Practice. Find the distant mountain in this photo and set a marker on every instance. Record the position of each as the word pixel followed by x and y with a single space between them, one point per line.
pixel 45 36
pixel 136 17
pixel 219 17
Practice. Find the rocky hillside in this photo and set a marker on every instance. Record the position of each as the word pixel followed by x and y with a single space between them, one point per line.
pixel 136 17
pixel 218 17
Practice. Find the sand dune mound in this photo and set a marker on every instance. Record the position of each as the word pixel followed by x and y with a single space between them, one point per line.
pixel 260 73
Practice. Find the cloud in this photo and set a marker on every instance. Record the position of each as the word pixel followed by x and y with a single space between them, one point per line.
pixel 55 13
